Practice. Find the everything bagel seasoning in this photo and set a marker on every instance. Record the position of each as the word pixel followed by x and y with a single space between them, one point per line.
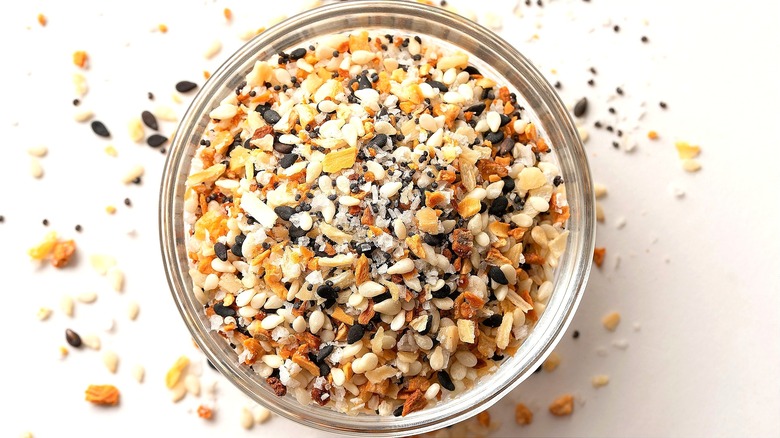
pixel 372 223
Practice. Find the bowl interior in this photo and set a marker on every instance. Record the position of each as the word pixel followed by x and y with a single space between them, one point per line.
pixel 495 58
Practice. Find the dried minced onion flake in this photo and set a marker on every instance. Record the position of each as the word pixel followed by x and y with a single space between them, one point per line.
pixel 355 196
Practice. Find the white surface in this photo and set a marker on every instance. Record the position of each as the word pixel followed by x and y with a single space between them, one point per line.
pixel 700 275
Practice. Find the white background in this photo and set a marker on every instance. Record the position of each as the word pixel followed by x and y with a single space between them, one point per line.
pixel 699 276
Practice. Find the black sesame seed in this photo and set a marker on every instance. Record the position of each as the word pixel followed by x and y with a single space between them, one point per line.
pixel 156 140
pixel 45 222
pixel 379 140
pixel 558 85
pixel 78 228
pixel 223 311
pixel 327 292
pixel 496 274
pixel 271 117
pixel 100 129
pixel 493 321
pixel 662 105
pixel 615 145
pixel 499 205
pixel 645 39
pixel 335 53
pixel 616 28
pixel 438 85
pixel 576 334
pixel 76 102
pixel 471 70
pixel 428 325
pixel 509 184
pixel 597 125
pixel 477 108
pixel 619 91
pixel 495 137
pixel 382 297
pixel 185 86
pixel 284 211
pixel 236 248
pixel 288 160
pixel 324 352
pixel 149 120
pixel 220 250
pixel 324 369
pixel 581 107
pixel 355 333
pixel 283 148
pixel 72 338
pixel 297 53
pixel 150 96
pixel 445 381
pixel 591 82
pixel 365 248
pixel 611 110
pixel 398 411
pixel 128 202
pixel 444 292
pixel 558 180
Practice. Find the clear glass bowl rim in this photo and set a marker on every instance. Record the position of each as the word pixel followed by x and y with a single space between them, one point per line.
pixel 552 117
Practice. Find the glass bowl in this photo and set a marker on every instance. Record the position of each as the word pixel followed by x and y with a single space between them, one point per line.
pixel 495 58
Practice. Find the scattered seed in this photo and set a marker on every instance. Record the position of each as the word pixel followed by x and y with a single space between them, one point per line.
pixel 132 310
pixel 73 338
pixel 576 334
pixel 192 383
pixel 662 105
pixel 211 51
pixel 87 297
pixel 135 172
pixel 691 165
pixel 262 414
pixel 246 418
pixel 38 151
pixel 552 362
pixel 111 361
pixel 43 313
pixel 178 393
pixel 100 129
pixel 149 120
pixel 599 380
pixel 91 341
pixel 610 321
pixel 138 373
pixel 116 278
pixel 66 305
pixel 36 170
pixel 581 107
pixel 645 39
pixel 156 140
pixel 185 86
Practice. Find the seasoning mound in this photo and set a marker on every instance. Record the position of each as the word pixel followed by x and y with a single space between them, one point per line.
pixel 372 223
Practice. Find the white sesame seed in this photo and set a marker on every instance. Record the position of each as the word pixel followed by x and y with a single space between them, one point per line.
pixel 401 267
pixel 213 49
pixel 271 321
pixel 493 120
pixel 111 361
